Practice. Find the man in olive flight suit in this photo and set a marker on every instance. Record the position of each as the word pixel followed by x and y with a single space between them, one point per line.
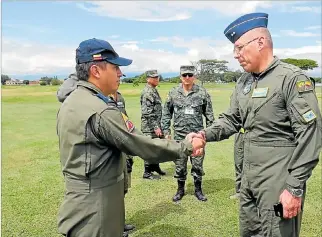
pixel 68 86
pixel 187 103
pixel 151 113
pixel 93 134
pixel 275 103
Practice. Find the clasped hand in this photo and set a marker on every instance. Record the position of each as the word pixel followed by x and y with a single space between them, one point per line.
pixel 198 142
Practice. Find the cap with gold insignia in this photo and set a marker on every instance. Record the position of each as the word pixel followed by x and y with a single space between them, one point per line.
pixel 245 23
pixel 152 73
pixel 187 69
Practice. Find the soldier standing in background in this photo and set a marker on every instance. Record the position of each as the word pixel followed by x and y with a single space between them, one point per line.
pixel 151 112
pixel 187 103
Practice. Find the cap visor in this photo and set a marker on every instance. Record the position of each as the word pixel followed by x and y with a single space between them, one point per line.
pixel 120 61
pixel 154 75
pixel 183 72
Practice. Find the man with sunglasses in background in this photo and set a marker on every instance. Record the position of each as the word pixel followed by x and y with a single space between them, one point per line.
pixel 187 103
pixel 151 112
pixel 276 104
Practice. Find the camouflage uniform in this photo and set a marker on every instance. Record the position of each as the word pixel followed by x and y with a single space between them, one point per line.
pixel 187 111
pixel 151 113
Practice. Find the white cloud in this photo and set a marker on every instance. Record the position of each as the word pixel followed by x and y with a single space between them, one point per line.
pixel 305 9
pixel 33 58
pixel 313 27
pixel 168 10
pixel 299 34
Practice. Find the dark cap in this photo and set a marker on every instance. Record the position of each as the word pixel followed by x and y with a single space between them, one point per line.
pixel 99 50
pixel 245 23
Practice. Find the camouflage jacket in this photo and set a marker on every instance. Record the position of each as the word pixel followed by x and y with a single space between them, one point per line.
pixel 187 110
pixel 151 109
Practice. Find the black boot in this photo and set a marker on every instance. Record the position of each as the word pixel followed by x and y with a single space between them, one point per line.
pixel 198 190
pixel 180 192
pixel 125 234
pixel 128 227
pixel 148 173
pixel 156 168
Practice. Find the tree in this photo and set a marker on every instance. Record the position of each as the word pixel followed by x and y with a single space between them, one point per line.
pixel 208 69
pixel 26 82
pixel 231 76
pixel 55 82
pixel 304 64
pixel 4 78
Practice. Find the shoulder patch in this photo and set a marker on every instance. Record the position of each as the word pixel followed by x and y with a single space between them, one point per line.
pixel 303 86
pixel 130 126
pixel 309 116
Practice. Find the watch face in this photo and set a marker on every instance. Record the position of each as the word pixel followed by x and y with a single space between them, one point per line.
pixel 298 192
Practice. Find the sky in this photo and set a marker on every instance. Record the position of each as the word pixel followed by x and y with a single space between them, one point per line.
pixel 39 38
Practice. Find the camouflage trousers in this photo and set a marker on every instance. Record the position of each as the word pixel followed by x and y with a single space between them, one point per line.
pixel 238 158
pixel 181 165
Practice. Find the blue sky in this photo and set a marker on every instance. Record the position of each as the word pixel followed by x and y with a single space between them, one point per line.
pixel 40 37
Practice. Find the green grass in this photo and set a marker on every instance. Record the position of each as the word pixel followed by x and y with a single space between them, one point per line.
pixel 33 188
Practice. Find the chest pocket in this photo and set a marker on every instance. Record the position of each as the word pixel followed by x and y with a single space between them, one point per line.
pixel 197 105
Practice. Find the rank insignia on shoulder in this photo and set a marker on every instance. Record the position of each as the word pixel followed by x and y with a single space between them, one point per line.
pixel 303 86
pixel 260 92
pixel 309 116
pixel 129 125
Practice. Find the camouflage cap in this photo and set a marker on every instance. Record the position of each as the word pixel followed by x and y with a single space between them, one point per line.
pixel 152 73
pixel 187 69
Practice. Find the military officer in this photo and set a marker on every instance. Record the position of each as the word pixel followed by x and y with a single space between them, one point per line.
pixel 151 112
pixel 65 90
pixel 92 134
pixel 275 103
pixel 187 103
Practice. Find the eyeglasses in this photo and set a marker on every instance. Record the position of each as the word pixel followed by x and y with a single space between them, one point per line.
pixel 237 49
pixel 187 74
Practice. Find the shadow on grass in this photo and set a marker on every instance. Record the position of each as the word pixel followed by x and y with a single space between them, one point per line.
pixel 149 216
pixel 213 185
pixel 166 230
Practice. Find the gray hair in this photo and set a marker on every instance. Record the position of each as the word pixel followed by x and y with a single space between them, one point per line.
pixel 267 35
pixel 82 70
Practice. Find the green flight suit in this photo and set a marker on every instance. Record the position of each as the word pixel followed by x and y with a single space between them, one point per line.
pixel 280 114
pixel 93 134
pixel 238 158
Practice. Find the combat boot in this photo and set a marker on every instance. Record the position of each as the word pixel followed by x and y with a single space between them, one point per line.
pixel 156 168
pixel 125 234
pixel 148 173
pixel 180 192
pixel 128 227
pixel 198 191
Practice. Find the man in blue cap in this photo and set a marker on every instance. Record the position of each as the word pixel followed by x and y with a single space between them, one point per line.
pixel 276 105
pixel 93 134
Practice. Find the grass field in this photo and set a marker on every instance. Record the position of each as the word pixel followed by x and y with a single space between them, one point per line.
pixel 33 187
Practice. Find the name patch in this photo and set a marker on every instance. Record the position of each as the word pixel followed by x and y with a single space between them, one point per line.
pixel 260 92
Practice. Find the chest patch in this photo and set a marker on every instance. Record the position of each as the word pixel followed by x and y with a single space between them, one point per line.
pixel 309 116
pixel 247 87
pixel 260 92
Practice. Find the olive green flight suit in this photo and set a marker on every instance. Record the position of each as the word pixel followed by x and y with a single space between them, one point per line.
pixel 280 114
pixel 92 136
pixel 238 158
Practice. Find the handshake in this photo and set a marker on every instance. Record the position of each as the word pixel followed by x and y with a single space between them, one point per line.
pixel 198 141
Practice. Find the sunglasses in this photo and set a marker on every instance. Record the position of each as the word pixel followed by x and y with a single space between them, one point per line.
pixel 187 74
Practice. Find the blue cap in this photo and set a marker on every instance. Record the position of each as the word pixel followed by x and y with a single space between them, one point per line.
pixel 99 50
pixel 245 23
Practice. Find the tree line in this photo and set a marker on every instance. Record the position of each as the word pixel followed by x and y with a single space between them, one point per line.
pixel 213 70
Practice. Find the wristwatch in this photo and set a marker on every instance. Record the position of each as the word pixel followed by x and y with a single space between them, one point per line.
pixel 297 192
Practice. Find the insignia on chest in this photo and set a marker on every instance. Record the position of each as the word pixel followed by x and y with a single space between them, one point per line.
pixel 247 87
pixel 260 92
